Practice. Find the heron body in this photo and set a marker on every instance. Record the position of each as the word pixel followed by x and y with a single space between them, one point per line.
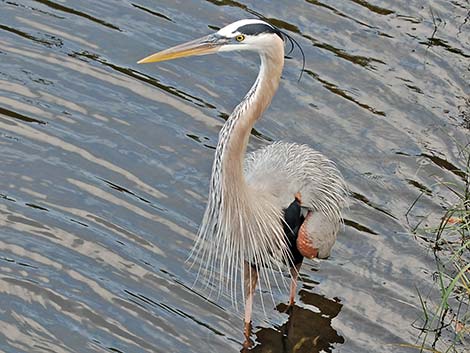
pixel 273 206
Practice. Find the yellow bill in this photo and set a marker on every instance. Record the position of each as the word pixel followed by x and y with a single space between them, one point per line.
pixel 202 46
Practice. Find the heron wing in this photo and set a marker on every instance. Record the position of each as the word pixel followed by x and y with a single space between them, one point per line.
pixel 282 169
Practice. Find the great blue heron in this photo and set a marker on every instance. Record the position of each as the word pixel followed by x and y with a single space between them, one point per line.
pixel 274 206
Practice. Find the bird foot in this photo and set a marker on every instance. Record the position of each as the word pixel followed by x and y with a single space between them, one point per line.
pixel 247 331
pixel 285 308
pixel 289 309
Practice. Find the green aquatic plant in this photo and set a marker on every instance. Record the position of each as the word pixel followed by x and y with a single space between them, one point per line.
pixel 445 320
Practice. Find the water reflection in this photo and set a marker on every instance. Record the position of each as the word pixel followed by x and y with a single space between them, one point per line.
pixel 60 7
pixel 105 167
pixel 342 93
pixel 307 330
pixel 140 7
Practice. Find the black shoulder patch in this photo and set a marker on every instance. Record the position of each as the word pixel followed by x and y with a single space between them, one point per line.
pixel 293 220
pixel 258 28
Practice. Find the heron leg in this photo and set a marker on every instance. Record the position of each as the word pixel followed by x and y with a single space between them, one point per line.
pixel 294 273
pixel 250 275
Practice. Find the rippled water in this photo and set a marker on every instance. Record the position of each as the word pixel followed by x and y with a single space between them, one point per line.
pixel 105 166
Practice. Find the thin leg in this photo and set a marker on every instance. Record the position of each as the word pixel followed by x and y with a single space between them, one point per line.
pixel 250 275
pixel 294 272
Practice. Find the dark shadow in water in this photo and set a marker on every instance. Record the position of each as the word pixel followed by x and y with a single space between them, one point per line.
pixel 305 331
pixel 419 186
pixel 358 226
pixel 158 14
pixel 336 12
pixel 369 203
pixel 60 7
pixel 15 115
pixel 436 42
pixel 376 9
pixel 49 43
pixel 342 93
pixel 440 162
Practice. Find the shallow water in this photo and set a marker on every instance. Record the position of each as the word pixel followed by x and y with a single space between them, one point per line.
pixel 105 168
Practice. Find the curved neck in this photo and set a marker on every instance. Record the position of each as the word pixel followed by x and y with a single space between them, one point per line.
pixel 233 138
pixel 232 220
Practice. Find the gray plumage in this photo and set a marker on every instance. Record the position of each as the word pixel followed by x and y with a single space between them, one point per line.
pixel 283 169
pixel 243 221
pixel 273 175
pixel 242 227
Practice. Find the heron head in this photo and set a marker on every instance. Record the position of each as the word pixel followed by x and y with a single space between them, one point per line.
pixel 251 34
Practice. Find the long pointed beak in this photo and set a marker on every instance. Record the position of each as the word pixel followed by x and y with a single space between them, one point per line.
pixel 202 46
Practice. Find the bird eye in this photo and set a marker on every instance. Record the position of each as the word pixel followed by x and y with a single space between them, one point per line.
pixel 240 38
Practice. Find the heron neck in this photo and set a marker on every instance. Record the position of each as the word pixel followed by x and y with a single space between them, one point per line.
pixel 235 134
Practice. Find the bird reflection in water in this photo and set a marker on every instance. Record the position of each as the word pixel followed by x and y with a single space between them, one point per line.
pixel 305 331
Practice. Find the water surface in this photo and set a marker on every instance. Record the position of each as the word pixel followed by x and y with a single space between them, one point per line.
pixel 105 168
